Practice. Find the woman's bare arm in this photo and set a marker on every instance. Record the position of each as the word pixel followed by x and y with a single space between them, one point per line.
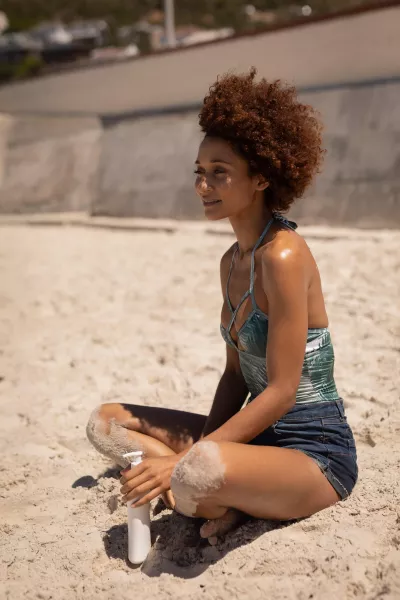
pixel 230 395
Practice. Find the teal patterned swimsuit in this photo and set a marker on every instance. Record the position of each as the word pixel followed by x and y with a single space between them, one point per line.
pixel 317 383
pixel 317 424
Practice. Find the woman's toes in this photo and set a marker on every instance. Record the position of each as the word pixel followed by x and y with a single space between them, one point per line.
pixel 219 527
pixel 168 499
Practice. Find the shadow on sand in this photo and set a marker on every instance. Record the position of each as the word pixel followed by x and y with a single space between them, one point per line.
pixel 177 547
pixel 87 481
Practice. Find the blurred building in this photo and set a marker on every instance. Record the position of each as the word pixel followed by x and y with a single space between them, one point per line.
pixel 269 17
pixel 259 17
pixel 15 46
pixel 51 34
pixel 26 53
pixel 91 34
pixel 149 34
pixel 146 36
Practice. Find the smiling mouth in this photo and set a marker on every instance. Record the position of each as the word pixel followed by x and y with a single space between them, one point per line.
pixel 210 202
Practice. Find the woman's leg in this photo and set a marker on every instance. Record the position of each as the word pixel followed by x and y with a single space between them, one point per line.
pixel 263 481
pixel 115 429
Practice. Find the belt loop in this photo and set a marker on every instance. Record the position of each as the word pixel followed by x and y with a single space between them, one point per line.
pixel 339 404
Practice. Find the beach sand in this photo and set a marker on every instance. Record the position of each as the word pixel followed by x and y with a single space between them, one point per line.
pixel 93 315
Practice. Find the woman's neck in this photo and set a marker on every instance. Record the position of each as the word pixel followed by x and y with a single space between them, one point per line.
pixel 249 225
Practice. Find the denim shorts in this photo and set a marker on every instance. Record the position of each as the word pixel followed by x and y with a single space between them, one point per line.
pixel 321 431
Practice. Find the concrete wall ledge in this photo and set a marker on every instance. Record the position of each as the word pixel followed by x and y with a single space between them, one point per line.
pixel 173 226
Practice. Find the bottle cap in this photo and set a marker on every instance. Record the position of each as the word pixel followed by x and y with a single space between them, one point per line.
pixel 135 457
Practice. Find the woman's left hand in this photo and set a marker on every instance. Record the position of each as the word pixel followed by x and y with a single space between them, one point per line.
pixel 147 480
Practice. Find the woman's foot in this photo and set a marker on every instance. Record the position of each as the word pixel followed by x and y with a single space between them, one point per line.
pixel 215 528
pixel 168 499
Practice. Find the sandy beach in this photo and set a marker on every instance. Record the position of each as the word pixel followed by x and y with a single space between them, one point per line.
pixel 94 315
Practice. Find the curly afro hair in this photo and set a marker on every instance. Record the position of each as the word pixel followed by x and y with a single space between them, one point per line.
pixel 279 137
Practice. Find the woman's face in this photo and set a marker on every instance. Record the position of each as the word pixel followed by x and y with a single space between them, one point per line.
pixel 223 181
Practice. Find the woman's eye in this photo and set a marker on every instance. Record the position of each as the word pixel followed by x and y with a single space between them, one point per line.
pixel 216 172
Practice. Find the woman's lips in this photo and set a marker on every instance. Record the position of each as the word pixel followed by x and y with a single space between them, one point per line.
pixel 210 202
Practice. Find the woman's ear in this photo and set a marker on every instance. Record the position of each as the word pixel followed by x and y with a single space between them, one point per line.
pixel 261 183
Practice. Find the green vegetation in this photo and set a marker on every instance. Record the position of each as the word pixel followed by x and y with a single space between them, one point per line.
pixel 29 66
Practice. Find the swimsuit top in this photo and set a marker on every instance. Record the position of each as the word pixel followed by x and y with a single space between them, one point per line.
pixel 317 382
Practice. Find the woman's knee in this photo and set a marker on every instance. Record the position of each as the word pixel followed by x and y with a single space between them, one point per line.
pixel 98 424
pixel 99 420
pixel 106 431
pixel 197 478
pixel 103 416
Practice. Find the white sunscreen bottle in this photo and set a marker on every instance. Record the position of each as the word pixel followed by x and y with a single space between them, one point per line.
pixel 139 539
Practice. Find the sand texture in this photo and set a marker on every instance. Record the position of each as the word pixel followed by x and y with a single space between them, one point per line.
pixel 92 315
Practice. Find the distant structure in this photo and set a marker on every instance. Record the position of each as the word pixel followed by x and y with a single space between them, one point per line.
pixel 206 35
pixel 169 23
pixel 29 53
pixel 91 34
pixel 3 22
pixel 15 48
pixel 25 54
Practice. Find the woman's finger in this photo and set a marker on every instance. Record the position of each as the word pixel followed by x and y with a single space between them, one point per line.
pixel 128 474
pixel 141 489
pixel 135 482
pixel 148 497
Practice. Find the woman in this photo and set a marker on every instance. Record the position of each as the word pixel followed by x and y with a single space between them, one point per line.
pixel 289 451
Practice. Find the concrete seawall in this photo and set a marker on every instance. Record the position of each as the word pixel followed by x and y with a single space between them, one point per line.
pixel 143 167
pixel 48 164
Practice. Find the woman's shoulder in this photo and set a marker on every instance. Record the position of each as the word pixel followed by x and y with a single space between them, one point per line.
pixel 287 250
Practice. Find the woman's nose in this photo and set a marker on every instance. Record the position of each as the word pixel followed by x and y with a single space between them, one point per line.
pixel 204 186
